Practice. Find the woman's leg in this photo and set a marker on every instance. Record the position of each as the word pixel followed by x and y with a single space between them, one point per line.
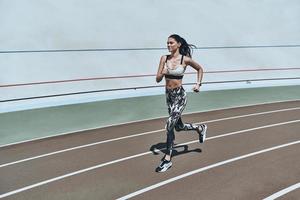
pixel 180 126
pixel 176 101
pixel 201 129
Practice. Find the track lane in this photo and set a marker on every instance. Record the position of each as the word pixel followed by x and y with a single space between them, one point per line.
pixel 72 161
pixel 112 173
pixel 293 195
pixel 251 178
pixel 285 191
pixel 124 137
pixel 141 134
pixel 48 145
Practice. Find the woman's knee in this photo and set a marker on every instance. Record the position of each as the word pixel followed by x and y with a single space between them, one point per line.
pixel 179 127
pixel 170 124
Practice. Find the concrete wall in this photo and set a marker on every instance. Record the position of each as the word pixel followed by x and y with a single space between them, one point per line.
pixel 30 28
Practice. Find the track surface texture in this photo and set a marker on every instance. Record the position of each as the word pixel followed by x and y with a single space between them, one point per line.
pixel 250 153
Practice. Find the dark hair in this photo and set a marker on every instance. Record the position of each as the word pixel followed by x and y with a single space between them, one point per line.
pixel 185 48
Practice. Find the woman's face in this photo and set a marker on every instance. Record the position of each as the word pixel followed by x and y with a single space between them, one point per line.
pixel 172 44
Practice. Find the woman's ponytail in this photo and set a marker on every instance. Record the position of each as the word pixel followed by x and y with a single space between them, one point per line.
pixel 185 48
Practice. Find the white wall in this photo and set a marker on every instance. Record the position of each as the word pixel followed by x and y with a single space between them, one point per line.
pixel 30 25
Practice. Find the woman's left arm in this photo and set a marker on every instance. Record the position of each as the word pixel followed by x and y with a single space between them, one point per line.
pixel 199 69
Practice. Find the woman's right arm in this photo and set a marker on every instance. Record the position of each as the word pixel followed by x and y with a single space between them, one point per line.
pixel 161 70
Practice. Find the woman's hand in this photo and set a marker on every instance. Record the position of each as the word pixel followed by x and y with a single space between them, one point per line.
pixel 199 70
pixel 196 88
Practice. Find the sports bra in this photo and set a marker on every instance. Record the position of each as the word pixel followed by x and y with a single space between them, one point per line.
pixel 177 72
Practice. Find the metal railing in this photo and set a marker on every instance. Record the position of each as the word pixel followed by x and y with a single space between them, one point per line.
pixel 144 87
pixel 142 75
pixel 146 49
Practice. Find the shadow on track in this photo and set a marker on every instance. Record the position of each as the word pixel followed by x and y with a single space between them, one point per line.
pixel 177 150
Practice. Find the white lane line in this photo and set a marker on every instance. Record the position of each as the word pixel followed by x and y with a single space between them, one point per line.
pixel 130 157
pixel 77 147
pixel 283 192
pixel 146 189
pixel 136 135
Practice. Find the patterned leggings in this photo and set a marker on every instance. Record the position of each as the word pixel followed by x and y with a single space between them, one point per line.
pixel 176 101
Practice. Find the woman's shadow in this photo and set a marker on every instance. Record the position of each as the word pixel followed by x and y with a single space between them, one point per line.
pixel 177 150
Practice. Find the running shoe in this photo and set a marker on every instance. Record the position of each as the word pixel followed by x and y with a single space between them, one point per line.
pixel 164 166
pixel 202 132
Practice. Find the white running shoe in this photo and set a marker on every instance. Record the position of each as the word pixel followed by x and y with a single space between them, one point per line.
pixel 164 166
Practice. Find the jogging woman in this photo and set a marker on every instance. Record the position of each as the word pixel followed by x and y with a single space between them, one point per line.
pixel 172 67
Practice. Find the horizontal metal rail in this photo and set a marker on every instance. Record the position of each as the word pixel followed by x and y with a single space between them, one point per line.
pixel 145 49
pixel 143 75
pixel 143 87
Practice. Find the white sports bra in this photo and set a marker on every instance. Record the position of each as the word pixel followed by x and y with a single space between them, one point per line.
pixel 177 72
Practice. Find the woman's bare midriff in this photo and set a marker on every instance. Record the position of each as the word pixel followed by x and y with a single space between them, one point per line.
pixel 173 83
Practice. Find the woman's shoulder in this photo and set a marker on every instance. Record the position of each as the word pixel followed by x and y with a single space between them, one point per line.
pixel 187 60
pixel 164 57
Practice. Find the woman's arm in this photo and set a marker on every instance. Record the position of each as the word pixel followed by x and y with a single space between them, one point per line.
pixel 161 70
pixel 199 70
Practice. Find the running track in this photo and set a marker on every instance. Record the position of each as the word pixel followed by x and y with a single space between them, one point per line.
pixel 250 153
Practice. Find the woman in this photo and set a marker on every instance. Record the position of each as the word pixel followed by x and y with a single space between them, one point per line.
pixel 172 67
